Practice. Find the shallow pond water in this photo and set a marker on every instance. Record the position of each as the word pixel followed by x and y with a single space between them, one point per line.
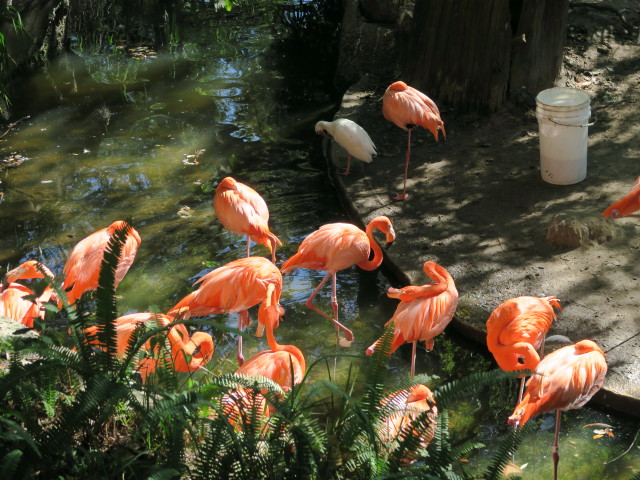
pixel 118 135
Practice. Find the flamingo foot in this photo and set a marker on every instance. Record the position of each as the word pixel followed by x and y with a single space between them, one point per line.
pixel 343 342
pixel 240 359
pixel 399 197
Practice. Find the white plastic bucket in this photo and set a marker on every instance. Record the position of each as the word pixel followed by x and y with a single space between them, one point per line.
pixel 563 116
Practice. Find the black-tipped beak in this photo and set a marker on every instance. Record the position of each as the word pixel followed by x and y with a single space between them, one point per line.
pixel 387 245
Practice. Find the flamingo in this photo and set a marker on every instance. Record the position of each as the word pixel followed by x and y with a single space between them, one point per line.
pixel 83 265
pixel 334 247
pixel 243 407
pixel 188 353
pixel 234 288
pixel 564 379
pixel 283 364
pixel 626 205
pixel 13 304
pixel 516 331
pixel 404 407
pixel 350 136
pixel 409 108
pixel 424 311
pixel 242 210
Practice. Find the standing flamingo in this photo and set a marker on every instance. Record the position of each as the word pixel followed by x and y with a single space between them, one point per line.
pixel 409 108
pixel 626 205
pixel 242 210
pixel 187 353
pixel 424 311
pixel 283 364
pixel 350 136
pixel 234 288
pixel 516 331
pixel 83 265
pixel 13 304
pixel 403 407
pixel 334 247
pixel 564 379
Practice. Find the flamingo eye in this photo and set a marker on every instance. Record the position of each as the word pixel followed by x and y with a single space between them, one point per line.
pixel 615 214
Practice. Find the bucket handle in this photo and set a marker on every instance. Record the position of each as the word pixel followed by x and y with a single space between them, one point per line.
pixel 574 125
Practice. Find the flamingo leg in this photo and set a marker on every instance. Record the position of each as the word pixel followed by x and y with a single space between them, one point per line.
pixel 272 239
pixel 414 348
pixel 556 456
pixel 403 195
pixel 243 320
pixel 348 334
pixel 248 246
pixel 346 171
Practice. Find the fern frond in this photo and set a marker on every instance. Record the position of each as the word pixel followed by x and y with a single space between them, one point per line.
pixel 506 448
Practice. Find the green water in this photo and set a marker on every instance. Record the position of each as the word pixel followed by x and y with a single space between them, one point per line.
pixel 109 137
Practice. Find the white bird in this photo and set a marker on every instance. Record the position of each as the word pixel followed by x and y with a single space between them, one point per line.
pixel 350 136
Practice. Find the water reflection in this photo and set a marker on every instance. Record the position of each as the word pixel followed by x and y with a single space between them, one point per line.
pixel 111 144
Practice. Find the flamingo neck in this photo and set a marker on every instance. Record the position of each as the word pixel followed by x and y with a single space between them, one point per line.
pixel 375 262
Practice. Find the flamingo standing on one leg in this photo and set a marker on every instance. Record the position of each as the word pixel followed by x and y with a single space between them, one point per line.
pixel 234 288
pixel 242 210
pixel 350 136
pixel 564 379
pixel 13 305
pixel 404 406
pixel 626 205
pixel 284 364
pixel 409 108
pixel 188 353
pixel 516 331
pixel 424 311
pixel 334 247
pixel 83 265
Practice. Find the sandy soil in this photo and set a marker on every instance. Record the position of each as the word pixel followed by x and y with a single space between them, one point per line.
pixel 479 207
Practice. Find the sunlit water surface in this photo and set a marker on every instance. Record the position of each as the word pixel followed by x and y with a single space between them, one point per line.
pixel 115 140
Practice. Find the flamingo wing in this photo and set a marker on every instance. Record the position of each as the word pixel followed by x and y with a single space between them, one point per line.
pixel 332 247
pixel 354 139
pixel 14 306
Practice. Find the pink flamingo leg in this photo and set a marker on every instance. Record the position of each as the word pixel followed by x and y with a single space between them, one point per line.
pixel 403 195
pixel 248 246
pixel 310 305
pixel 346 171
pixel 413 358
pixel 556 456
pixel 243 320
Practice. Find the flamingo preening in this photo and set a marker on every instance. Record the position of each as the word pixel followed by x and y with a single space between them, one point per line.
pixel 424 311
pixel 82 268
pixel 234 288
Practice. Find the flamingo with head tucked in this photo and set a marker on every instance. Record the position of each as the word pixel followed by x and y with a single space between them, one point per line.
pixel 243 211
pixel 424 311
pixel 564 379
pixel 234 288
pixel 350 136
pixel 337 246
pixel 409 108
pixel 83 265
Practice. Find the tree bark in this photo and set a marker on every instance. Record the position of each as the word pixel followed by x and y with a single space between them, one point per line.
pixel 464 53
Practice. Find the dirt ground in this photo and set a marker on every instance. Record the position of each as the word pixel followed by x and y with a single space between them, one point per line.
pixel 479 207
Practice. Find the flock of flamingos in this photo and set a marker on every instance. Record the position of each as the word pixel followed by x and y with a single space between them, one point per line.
pixel 564 379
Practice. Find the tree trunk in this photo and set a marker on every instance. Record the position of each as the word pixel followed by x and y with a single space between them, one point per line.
pixel 465 54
